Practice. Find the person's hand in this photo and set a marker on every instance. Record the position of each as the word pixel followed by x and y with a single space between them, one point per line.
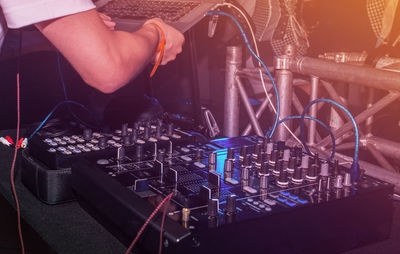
pixel 173 40
pixel 107 21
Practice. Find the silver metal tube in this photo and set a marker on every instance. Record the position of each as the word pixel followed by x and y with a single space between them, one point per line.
pixel 380 158
pixel 249 108
pixel 370 120
pixel 386 147
pixel 348 73
pixel 299 108
pixel 259 112
pixel 345 146
pixel 231 99
pixel 312 129
pixel 392 96
pixel 284 80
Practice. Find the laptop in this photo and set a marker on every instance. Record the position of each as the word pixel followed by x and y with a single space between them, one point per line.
pixel 130 15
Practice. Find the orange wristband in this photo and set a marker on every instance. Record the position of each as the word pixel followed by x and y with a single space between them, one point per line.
pixel 160 49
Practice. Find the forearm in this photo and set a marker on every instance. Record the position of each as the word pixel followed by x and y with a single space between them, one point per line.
pixel 105 59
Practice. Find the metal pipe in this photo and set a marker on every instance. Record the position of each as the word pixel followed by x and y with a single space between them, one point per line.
pixel 370 120
pixel 231 99
pixel 380 158
pixel 348 73
pixel 313 110
pixel 259 112
pixel 386 147
pixel 299 108
pixel 392 96
pixel 345 146
pixel 249 108
pixel 284 79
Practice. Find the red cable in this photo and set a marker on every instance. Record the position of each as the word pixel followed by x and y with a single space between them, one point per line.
pixel 148 221
pixel 162 225
pixel 12 171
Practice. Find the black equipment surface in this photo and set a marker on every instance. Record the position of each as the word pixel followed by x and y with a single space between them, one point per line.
pixel 245 195
pixel 46 165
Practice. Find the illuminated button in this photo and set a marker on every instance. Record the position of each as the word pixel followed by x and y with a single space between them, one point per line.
pixel 67 152
pixel 80 140
pixel 76 150
pixel 61 149
pixel 86 149
pixel 268 209
pixel 80 146
pixel 62 142
pixel 71 147
pixel 71 141
pixel 117 145
pixel 75 137
pixel 256 203
pixel 282 199
pixel 48 140
pixel 90 145
pixel 66 138
pixel 94 141
pixel 294 197
pixel 53 144
pixel 52 150
pixel 95 148
pixel 302 201
pixel 57 139
pixel 262 206
pixel 291 204
pixel 250 200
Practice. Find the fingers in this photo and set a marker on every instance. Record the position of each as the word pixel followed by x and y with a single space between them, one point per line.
pixel 173 41
pixel 107 21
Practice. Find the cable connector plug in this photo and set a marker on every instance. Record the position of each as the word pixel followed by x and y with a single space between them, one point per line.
pixel 4 141
pixel 24 143
pixel 355 171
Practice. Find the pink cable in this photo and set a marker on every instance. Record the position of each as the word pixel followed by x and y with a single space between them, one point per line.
pixel 13 167
pixel 162 225
pixel 148 221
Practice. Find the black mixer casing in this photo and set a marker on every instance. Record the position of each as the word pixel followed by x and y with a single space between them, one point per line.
pixel 321 225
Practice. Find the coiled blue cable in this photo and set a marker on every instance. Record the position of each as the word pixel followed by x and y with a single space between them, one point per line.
pixel 355 168
pixel 246 41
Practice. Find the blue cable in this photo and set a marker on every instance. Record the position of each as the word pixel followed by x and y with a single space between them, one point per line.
pixel 66 96
pixel 52 111
pixel 323 125
pixel 355 168
pixel 246 41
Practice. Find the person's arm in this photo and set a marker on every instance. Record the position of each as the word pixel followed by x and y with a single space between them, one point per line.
pixel 107 59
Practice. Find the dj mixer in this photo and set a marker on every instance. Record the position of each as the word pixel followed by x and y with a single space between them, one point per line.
pixel 233 195
pixel 47 162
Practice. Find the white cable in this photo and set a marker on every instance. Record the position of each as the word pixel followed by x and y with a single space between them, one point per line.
pixel 260 72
